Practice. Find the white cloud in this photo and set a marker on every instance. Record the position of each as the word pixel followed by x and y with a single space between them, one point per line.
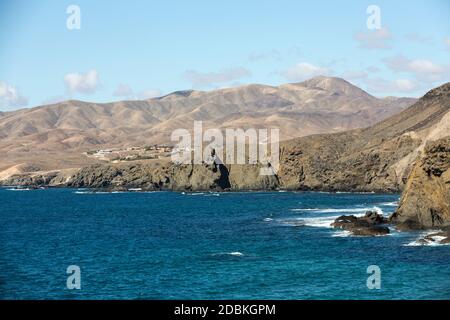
pixel 405 85
pixel 208 79
pixel 123 90
pixel 10 97
pixel 415 37
pixel 422 69
pixel 386 86
pixel 303 71
pixel 424 66
pixel 85 83
pixel 148 94
pixel 447 43
pixel 374 39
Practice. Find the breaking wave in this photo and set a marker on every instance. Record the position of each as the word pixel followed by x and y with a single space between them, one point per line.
pixel 325 221
pixel 422 241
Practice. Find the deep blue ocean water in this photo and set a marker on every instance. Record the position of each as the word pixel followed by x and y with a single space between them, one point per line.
pixel 168 245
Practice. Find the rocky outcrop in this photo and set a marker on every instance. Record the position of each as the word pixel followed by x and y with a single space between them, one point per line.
pixel 441 237
pixel 371 224
pixel 56 178
pixel 380 158
pixel 349 161
pixel 51 134
pixel 173 177
pixel 425 203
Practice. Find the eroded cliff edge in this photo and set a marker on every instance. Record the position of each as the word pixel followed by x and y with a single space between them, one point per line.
pixel 425 203
pixel 380 158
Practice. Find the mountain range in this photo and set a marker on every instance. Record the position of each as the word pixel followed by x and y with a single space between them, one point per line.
pixel 54 136
pixel 408 152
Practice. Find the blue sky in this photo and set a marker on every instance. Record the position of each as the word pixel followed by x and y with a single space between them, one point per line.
pixel 139 49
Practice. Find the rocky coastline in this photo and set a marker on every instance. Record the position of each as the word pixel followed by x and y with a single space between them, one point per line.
pixel 408 153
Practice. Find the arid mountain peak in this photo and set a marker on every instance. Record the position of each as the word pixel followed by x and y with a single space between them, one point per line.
pixel 335 85
pixel 319 105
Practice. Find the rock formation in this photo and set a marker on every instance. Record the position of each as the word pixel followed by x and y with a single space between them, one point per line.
pixel 425 203
pixel 371 224
pixel 56 135
pixel 414 143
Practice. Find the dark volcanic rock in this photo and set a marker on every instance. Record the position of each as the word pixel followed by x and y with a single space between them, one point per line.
pixel 439 237
pixel 192 177
pixel 369 225
pixel 380 158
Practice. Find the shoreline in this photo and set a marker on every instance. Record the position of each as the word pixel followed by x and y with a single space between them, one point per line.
pixel 435 236
pixel 280 190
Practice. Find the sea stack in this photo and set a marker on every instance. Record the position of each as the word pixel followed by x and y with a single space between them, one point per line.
pixel 425 202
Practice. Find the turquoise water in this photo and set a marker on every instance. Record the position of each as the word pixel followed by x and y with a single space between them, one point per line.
pixel 167 245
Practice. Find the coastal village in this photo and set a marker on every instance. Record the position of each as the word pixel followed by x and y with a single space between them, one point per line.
pixel 117 155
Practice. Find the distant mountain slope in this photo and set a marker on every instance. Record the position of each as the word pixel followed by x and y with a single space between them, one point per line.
pixel 377 158
pixel 318 105
pixel 408 152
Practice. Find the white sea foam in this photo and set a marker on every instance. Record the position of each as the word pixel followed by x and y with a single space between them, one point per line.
pixel 293 222
pixel 342 234
pixel 352 192
pixel 135 189
pixel 97 192
pixel 341 210
pixel 319 222
pixel 91 192
pixel 389 204
pixel 208 194
pixel 233 253
pixel 421 241
pixel 24 189
pixel 80 191
pixel 417 243
pixel 325 221
pixel 268 219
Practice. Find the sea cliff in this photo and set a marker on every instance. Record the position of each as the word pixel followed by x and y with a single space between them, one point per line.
pixel 407 152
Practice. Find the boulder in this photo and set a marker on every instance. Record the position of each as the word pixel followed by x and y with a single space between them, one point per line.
pixel 371 224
